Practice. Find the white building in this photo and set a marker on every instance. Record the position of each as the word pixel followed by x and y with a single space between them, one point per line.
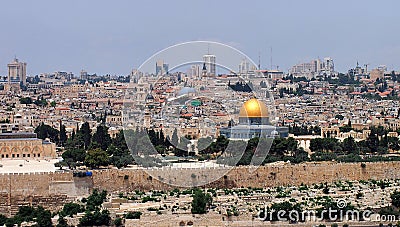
pixel 195 71
pixel 314 68
pixel 210 63
pixel 244 67
pixel 17 72
pixel 161 68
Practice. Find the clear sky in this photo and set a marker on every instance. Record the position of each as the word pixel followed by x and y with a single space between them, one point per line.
pixel 115 36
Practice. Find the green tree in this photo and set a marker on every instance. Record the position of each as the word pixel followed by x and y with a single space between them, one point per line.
pixel 62 222
pixel 101 137
pixel 76 141
pixel 219 145
pixel 248 152
pixel 119 140
pixel 96 157
pixel 393 143
pixel 63 134
pixel 174 138
pixel 43 217
pixel 236 153
pixel 85 132
pixel 41 102
pixel 339 116
pixel 72 156
pixel 95 200
pixel 71 209
pixel 324 145
pixel 200 202
pixel 119 158
pixel 133 215
pixel 118 222
pixel 372 141
pixel 45 131
pixel 284 206
pixel 154 138
pixel 28 213
pixel 161 138
pixel 299 155
pixel 395 197
pixel 350 146
pixel 3 219
pixel 95 218
pixel 25 100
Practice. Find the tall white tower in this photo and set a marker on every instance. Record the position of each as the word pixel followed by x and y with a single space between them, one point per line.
pixel 17 72
pixel 210 62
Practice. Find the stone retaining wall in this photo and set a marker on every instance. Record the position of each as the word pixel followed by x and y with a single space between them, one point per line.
pixel 52 190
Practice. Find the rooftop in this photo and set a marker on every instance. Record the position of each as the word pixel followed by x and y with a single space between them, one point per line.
pixel 19 135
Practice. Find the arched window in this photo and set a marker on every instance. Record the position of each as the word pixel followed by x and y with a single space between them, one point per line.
pixel 14 150
pixel 26 150
pixel 36 149
pixel 4 150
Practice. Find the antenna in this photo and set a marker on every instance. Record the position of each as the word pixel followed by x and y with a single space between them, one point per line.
pixel 259 61
pixel 271 58
pixel 208 48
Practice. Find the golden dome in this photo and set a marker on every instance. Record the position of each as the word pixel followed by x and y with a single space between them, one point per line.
pixel 253 108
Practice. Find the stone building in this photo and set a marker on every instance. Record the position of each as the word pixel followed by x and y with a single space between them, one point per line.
pixel 25 146
pixel 17 72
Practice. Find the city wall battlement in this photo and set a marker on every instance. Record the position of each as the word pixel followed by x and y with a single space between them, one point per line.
pixel 34 188
pixel 263 176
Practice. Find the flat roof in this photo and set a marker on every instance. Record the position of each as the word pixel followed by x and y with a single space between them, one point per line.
pixel 19 135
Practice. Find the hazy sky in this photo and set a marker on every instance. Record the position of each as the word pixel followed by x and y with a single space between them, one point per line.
pixel 115 36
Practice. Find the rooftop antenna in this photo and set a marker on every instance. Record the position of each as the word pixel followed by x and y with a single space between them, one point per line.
pixel 208 48
pixel 271 57
pixel 259 61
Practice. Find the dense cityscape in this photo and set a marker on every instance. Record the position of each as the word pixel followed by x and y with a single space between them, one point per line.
pixel 61 122
pixel 287 115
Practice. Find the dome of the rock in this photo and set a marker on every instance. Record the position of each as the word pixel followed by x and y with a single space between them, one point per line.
pixel 254 108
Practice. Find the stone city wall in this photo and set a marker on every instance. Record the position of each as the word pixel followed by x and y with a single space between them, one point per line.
pixel 53 189
pixel 50 190
pixel 264 176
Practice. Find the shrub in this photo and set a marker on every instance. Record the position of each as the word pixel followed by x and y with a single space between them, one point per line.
pixel 133 215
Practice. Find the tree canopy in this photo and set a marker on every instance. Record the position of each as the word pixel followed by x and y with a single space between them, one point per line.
pixel 201 201
pixel 96 158
pixel 44 131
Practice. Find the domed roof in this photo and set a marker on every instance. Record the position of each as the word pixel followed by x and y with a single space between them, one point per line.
pixel 253 108
pixel 186 90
